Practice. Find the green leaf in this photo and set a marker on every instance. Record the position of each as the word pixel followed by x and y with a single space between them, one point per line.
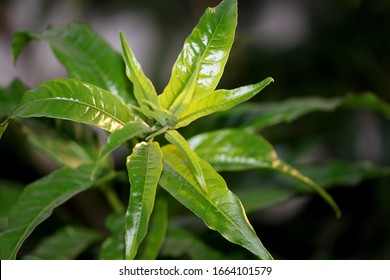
pixel 182 243
pixel 10 97
pixel 84 54
pixel 38 201
pixel 367 101
pixel 76 101
pixel 218 101
pixel 230 149
pixel 121 136
pixel 144 166
pixel 204 54
pixel 193 159
pixel 220 209
pixel 65 244
pixel 60 146
pixel 113 248
pixel 9 194
pixel 155 237
pixel 143 88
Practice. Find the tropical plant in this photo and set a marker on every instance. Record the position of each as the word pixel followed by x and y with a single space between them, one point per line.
pixel 112 93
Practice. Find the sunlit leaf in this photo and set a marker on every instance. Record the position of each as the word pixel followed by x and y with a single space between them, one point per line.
pixel 204 53
pixel 220 209
pixel 144 166
pixel 65 244
pixel 231 149
pixel 218 101
pixel 76 101
pixel 38 201
pixel 86 56
pixel 192 158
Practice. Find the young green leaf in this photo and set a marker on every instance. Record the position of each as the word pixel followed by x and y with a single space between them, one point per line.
pixel 193 159
pixel 143 88
pixel 76 101
pixel 38 201
pixel 220 209
pixel 84 54
pixel 219 100
pixel 121 136
pixel 231 149
pixel 144 167
pixel 208 47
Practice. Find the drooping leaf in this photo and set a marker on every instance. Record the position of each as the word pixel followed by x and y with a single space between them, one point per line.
pixel 66 243
pixel 183 243
pixel 192 158
pixel 144 167
pixel 113 248
pixel 220 209
pixel 218 101
pixel 38 201
pixel 84 54
pixel 231 149
pixel 155 237
pixel 76 101
pixel 205 51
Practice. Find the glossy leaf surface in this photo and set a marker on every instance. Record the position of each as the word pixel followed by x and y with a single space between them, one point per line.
pixel 84 54
pixel 38 201
pixel 143 88
pixel 220 209
pixel 76 101
pixel 219 100
pixel 239 150
pixel 192 159
pixel 65 244
pixel 204 53
pixel 144 167
pixel 121 136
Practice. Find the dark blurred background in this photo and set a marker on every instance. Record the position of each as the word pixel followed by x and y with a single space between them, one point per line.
pixel 310 47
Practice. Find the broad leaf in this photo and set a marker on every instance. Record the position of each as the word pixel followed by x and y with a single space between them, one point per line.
pixel 155 237
pixel 38 201
pixel 220 209
pixel 204 54
pixel 143 88
pixel 65 244
pixel 76 101
pixel 192 159
pixel 85 55
pixel 219 100
pixel 239 150
pixel 144 166
pixel 9 194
